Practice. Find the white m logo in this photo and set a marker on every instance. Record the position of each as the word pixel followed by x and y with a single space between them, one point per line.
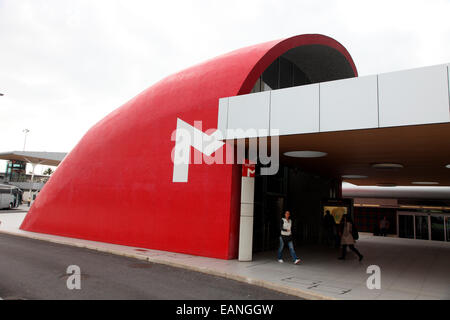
pixel 187 136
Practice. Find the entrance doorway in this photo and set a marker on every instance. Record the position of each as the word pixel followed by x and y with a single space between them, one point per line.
pixel 416 225
pixel 267 224
pixel 270 202
pixel 300 192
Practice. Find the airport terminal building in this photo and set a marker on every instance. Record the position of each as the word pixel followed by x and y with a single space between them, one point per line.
pixel 302 97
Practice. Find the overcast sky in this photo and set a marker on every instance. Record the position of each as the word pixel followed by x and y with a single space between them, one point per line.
pixel 64 64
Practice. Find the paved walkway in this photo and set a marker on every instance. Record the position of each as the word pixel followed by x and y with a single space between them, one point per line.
pixel 410 269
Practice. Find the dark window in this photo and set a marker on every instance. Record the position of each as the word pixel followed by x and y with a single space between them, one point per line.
pixel 282 73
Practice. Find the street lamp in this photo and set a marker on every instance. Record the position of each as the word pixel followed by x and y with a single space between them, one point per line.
pixel 25 131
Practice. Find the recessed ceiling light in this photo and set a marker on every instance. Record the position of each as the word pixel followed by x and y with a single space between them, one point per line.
pixel 353 176
pixel 425 182
pixel 387 184
pixel 387 166
pixel 305 154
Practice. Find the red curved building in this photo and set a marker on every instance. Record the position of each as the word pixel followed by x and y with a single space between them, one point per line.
pixel 117 185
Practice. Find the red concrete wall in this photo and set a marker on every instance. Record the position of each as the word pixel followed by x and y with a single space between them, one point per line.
pixel 116 185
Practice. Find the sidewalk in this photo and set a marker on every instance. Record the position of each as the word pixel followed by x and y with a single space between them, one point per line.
pixel 410 269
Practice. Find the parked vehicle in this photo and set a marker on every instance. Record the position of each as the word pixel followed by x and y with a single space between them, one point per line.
pixel 10 196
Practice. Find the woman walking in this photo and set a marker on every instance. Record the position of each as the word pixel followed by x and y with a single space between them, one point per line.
pixel 347 238
pixel 286 238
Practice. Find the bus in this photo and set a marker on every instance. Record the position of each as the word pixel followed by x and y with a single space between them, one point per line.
pixel 10 196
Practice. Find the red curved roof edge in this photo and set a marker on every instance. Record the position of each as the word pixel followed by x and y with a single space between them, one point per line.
pixel 116 185
pixel 285 45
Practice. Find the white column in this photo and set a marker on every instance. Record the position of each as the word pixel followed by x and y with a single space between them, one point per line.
pixel 246 221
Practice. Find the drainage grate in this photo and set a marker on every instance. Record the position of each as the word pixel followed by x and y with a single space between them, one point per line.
pixel 317 285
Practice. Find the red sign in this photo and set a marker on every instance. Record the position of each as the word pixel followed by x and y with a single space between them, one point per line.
pixel 248 170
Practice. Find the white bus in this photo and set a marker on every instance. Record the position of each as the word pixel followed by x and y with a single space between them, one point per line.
pixel 10 196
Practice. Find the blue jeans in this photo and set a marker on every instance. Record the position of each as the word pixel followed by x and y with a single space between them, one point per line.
pixel 291 249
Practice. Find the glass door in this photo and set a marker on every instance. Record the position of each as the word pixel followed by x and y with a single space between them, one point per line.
pixel 422 226
pixel 437 227
pixel 447 228
pixel 406 226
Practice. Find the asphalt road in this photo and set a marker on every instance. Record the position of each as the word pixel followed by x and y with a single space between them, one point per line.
pixel 33 269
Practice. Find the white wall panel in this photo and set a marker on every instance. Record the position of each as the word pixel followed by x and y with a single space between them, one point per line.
pixel 246 221
pixel 245 238
pixel 247 190
pixel 295 110
pixel 249 111
pixel 222 121
pixel 416 96
pixel 448 83
pixel 247 209
pixel 349 104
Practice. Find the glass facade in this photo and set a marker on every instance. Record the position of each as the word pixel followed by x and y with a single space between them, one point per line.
pixel 422 227
pixel 437 228
pixel 447 219
pixel 406 226
pixel 434 226
pixel 282 73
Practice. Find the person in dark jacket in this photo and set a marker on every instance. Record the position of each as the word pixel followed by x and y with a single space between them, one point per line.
pixel 329 226
pixel 384 227
pixel 286 238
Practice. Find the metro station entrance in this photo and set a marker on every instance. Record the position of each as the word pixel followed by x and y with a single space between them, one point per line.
pixel 416 225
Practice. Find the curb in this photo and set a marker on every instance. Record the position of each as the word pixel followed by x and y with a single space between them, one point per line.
pixel 257 282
